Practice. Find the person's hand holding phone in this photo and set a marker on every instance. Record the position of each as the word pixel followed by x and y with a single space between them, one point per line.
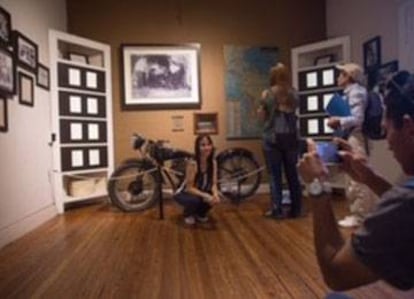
pixel 354 163
pixel 311 166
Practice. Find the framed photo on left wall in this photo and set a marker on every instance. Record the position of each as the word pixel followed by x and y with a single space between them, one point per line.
pixel 160 76
pixel 26 89
pixel 5 27
pixel 42 76
pixel 26 51
pixel 8 73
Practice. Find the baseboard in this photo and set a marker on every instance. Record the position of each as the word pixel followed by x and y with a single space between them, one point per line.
pixel 26 224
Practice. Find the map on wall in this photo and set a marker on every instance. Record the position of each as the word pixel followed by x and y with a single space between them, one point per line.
pixel 246 75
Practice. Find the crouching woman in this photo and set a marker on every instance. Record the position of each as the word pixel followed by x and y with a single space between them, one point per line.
pixel 199 191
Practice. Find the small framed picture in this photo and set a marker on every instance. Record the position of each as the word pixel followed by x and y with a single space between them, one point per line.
pixel 77 57
pixel 26 94
pixel 4 125
pixel 324 59
pixel 8 73
pixel 26 51
pixel 42 77
pixel 5 26
pixel 372 54
pixel 205 123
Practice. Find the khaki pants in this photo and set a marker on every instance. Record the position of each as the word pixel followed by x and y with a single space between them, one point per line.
pixel 361 199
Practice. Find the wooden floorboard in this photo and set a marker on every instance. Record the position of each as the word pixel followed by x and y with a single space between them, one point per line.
pixel 96 251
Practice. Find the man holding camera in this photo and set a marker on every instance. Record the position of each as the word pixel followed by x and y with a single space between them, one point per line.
pixel 382 247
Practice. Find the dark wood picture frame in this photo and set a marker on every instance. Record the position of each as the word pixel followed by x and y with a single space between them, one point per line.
pixel 160 76
pixel 26 89
pixel 43 76
pixel 4 121
pixel 5 27
pixel 372 54
pixel 205 123
pixel 26 51
pixel 8 74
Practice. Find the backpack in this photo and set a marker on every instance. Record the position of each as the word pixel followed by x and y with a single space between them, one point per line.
pixel 372 124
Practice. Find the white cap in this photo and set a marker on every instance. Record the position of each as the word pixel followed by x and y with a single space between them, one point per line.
pixel 353 70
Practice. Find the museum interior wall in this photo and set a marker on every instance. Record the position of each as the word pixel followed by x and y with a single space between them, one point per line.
pixel 212 24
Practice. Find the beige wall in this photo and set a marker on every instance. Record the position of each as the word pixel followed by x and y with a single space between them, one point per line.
pixel 282 23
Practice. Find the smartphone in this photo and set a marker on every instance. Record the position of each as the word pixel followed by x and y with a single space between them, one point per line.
pixel 328 151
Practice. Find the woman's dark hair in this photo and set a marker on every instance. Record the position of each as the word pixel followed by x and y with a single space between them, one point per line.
pixel 399 97
pixel 198 155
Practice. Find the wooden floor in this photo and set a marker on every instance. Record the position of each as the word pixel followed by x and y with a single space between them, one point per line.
pixel 96 251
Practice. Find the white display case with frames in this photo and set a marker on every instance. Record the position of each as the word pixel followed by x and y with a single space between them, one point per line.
pixel 82 137
pixel 314 76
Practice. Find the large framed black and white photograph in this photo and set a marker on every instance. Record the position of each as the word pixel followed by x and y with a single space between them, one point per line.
pixel 42 77
pixel 160 76
pixel 7 73
pixel 5 26
pixel 372 53
pixel 26 51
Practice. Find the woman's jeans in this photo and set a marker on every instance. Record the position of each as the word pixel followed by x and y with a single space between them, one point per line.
pixel 193 205
pixel 277 158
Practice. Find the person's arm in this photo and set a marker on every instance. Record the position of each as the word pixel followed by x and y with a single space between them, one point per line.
pixel 340 268
pixel 190 173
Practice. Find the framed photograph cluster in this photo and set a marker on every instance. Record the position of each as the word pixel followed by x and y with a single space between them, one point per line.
pixel 78 158
pixel 81 78
pixel 315 102
pixel 160 76
pixel 318 78
pixel 315 126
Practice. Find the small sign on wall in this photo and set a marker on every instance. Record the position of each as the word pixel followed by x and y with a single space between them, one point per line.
pixel 177 123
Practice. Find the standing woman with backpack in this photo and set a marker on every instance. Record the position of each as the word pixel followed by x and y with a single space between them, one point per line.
pixel 350 79
pixel 280 140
